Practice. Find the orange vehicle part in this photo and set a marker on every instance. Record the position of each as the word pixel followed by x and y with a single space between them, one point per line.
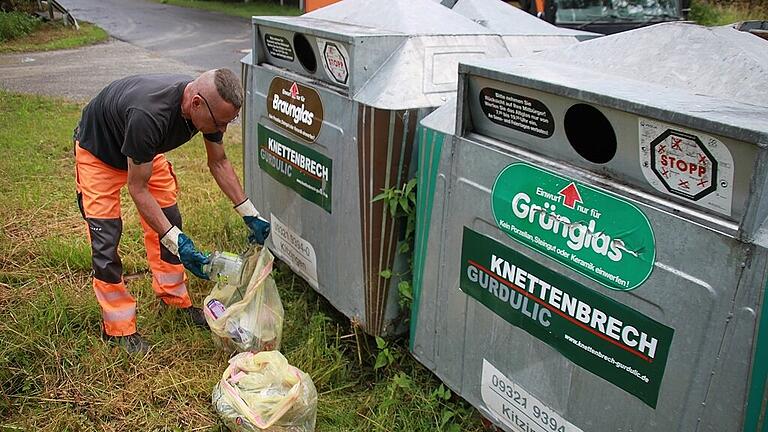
pixel 311 5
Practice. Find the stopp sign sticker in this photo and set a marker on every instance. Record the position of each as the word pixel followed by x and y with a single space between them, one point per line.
pixel 335 60
pixel 687 164
pixel 337 64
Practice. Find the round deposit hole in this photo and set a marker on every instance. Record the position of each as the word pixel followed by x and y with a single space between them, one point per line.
pixel 590 133
pixel 304 52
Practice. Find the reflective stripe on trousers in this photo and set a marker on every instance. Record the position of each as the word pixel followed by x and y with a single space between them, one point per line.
pixel 98 195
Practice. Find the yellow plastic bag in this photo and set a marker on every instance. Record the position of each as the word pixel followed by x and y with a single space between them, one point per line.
pixel 247 316
pixel 262 392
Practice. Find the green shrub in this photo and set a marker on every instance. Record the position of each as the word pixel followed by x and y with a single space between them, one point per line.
pixel 18 5
pixel 716 13
pixel 16 24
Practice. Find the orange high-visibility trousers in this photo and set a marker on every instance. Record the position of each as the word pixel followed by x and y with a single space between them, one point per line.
pixel 98 196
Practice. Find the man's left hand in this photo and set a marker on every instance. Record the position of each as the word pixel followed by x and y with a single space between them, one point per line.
pixel 259 229
pixel 259 226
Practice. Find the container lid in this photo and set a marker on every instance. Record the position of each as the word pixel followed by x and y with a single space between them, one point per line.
pixel 504 19
pixel 712 79
pixel 442 119
pixel 413 17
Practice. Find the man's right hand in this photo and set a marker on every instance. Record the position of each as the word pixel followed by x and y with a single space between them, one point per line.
pixel 178 243
pixel 192 259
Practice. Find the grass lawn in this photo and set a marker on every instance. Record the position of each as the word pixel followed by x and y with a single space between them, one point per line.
pixel 57 374
pixel 55 35
pixel 245 10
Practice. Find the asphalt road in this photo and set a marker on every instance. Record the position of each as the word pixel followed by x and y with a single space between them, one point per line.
pixel 204 40
pixel 148 38
pixel 79 74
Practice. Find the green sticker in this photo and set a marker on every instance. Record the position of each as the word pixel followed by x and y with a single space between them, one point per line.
pixel 297 166
pixel 596 332
pixel 597 234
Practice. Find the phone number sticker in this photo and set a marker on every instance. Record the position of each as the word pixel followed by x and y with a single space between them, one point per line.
pixel 517 408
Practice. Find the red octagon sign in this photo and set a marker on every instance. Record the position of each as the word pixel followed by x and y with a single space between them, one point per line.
pixel 336 62
pixel 683 164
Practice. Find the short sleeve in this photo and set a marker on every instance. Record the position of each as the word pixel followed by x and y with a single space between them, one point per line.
pixel 215 137
pixel 142 137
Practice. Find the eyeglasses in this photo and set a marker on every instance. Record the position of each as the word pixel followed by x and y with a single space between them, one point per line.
pixel 215 123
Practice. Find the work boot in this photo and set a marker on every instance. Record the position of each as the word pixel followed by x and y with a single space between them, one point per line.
pixel 196 316
pixel 133 343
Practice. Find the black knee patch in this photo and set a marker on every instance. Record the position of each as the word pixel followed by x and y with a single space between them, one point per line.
pixel 174 217
pixel 105 236
pixel 80 204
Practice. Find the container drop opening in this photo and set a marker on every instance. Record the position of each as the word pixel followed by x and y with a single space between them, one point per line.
pixel 590 133
pixel 304 52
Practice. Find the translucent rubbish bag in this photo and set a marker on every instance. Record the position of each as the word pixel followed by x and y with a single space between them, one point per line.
pixel 245 313
pixel 262 392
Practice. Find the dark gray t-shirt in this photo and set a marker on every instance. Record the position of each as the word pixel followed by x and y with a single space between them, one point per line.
pixel 137 117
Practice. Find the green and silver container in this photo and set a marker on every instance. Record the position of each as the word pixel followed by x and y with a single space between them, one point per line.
pixel 591 246
pixel 333 99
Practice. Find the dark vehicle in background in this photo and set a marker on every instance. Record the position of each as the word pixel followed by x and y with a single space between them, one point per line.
pixel 607 16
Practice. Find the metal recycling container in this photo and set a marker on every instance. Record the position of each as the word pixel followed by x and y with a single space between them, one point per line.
pixel 333 99
pixel 521 31
pixel 591 246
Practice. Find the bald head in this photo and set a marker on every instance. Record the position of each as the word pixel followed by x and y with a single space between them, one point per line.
pixel 222 82
pixel 213 100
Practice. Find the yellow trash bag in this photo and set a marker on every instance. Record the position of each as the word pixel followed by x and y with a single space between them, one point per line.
pixel 262 392
pixel 247 316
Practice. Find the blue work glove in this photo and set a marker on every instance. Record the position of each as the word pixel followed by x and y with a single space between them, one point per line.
pixel 193 259
pixel 259 229
pixel 182 246
pixel 258 226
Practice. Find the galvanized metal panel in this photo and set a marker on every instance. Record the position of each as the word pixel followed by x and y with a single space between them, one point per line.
pixel 525 45
pixel 682 100
pixel 412 17
pixel 338 268
pixel 434 150
pixel 423 73
pixel 347 31
pixel 707 283
pixel 625 166
pixel 401 65
pixel 407 57
pixel 367 47
pixel 720 62
pixel 442 119
pixel 505 19
pixel 700 314
pixel 695 302
pixel 643 82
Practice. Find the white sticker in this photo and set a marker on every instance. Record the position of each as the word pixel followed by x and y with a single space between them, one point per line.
pixel 517 408
pixel 294 250
pixel 687 164
pixel 335 60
